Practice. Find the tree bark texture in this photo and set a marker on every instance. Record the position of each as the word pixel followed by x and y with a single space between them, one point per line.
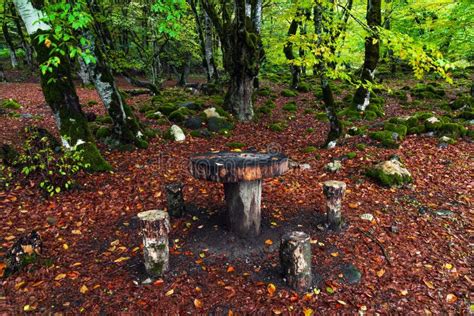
pixel 288 50
pixel 295 259
pixel 334 192
pixel 243 201
pixel 372 48
pixel 10 44
pixel 155 227
pixel 174 196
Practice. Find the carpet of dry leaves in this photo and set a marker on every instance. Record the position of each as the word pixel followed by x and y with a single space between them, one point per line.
pixel 92 242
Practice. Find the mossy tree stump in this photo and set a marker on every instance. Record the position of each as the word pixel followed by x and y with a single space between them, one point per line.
pixel 334 192
pixel 174 196
pixel 155 226
pixel 295 259
pixel 241 174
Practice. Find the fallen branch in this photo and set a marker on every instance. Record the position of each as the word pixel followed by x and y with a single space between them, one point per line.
pixel 374 239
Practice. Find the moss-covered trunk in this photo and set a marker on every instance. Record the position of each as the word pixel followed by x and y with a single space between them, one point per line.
pixel 372 47
pixel 335 126
pixel 59 91
pixel 242 52
pixel 126 128
pixel 288 50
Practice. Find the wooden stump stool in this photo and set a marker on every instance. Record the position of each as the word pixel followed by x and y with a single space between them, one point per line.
pixel 295 258
pixel 174 197
pixel 334 192
pixel 242 175
pixel 155 226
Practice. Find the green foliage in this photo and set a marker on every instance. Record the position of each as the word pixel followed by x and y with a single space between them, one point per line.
pixel 54 171
pixel 386 179
pixel 7 176
pixel 309 149
pixel 386 138
pixel 361 146
pixel 10 104
pixel 351 155
pixel 278 126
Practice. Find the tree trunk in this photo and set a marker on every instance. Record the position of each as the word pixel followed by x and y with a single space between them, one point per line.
pixel 335 126
pixel 239 96
pixel 372 45
pixel 155 226
pixel 126 128
pixel 334 192
pixel 185 71
pixel 174 197
pixel 59 91
pixel 288 50
pixel 3 78
pixel 11 45
pixel 26 46
pixel 295 259
pixel 243 207
pixel 84 73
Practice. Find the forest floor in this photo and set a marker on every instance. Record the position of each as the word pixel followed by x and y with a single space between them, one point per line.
pixel 92 257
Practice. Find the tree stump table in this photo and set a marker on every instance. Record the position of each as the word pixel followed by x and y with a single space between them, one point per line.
pixel 242 174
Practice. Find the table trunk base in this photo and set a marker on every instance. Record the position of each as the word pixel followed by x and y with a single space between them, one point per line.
pixel 243 207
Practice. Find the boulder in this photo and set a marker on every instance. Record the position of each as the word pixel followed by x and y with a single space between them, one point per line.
pixel 191 106
pixel 194 122
pixel 390 173
pixel 177 133
pixel 217 124
pixel 211 112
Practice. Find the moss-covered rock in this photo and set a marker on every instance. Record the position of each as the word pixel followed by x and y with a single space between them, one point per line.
pixel 386 138
pixel 278 126
pixel 461 102
pixel 180 115
pixel 201 133
pixel 390 173
pixel 167 109
pixel 351 155
pixel 361 146
pixel 218 124
pixel 153 115
pixel 103 132
pixel 400 129
pixel 290 107
pixel 427 91
pixel 453 130
pixel 289 93
pixel 104 119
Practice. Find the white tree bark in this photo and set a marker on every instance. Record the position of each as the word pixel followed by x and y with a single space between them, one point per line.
pixel 31 16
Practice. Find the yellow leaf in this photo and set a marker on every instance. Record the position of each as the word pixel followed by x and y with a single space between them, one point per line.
pixel 170 292
pixel 9 238
pixel 353 205
pixel 27 308
pixel 197 303
pixel 380 273
pixel 342 302
pixel 308 311
pixel 276 311
pixel 60 276
pixel 334 254
pixel 404 292
pixel 268 242
pixel 28 249
pixel 451 298
pixel 84 289
pixel 121 259
pixel 271 288
pixel 230 269
pixel 429 284
pixel 65 247
pixel 76 232
pixel 47 43
pixel 448 266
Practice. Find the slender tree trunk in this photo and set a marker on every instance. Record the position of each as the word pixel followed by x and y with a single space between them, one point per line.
pixel 372 46
pixel 185 71
pixel 126 129
pixel 11 45
pixel 335 126
pixel 288 50
pixel 59 90
pixel 3 78
pixel 84 72
pixel 26 46
pixel 387 26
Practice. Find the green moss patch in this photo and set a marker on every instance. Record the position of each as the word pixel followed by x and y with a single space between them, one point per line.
pixel 290 107
pixel 289 93
pixel 236 145
pixel 10 104
pixel 278 126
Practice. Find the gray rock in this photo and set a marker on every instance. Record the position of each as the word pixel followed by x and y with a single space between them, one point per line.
pixel 191 106
pixel 333 166
pixel 443 213
pixel 211 112
pixel 194 122
pixel 26 115
pixel 177 133
pixel 351 274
